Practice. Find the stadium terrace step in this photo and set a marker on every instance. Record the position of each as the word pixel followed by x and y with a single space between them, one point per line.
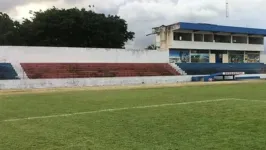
pixel 87 70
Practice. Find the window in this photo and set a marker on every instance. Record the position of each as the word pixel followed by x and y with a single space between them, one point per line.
pixel 179 56
pixel 222 38
pixel 236 52
pixel 178 36
pixel 256 40
pixel 208 38
pixel 240 39
pixel 236 56
pixel 219 52
pixel 199 56
pixel 200 51
pixel 252 57
pixel 253 52
pixel 198 37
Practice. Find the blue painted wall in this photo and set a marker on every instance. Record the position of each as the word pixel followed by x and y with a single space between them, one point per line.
pixel 209 68
pixel 7 72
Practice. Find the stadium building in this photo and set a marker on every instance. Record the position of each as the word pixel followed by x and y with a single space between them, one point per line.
pixel 187 52
pixel 199 48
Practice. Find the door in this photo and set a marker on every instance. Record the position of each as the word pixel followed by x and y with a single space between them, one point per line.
pixel 219 57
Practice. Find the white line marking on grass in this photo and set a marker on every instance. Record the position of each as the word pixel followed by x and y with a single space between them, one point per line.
pixel 117 109
pixel 251 100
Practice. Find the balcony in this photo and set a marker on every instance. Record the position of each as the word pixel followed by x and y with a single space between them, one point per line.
pixel 215 46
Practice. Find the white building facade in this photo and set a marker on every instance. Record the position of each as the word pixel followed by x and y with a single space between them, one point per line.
pixel 208 43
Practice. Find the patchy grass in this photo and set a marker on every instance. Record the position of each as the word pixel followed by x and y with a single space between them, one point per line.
pixel 221 125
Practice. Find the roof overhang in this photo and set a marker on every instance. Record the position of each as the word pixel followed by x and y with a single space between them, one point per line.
pixel 211 28
pixel 221 29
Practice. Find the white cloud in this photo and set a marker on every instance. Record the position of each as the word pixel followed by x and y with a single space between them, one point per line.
pixel 142 15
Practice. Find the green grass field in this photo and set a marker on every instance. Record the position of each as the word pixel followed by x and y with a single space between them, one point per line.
pixel 217 117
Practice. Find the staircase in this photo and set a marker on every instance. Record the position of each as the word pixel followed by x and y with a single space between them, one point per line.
pixel 178 69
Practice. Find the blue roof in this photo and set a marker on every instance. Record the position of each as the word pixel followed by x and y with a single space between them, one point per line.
pixel 220 28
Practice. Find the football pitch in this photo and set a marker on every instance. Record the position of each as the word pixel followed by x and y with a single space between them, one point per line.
pixel 215 117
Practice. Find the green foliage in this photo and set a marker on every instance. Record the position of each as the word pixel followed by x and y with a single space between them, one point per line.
pixel 66 28
pixel 9 30
pixel 151 47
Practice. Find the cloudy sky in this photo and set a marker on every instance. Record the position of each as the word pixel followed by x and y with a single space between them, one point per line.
pixel 142 15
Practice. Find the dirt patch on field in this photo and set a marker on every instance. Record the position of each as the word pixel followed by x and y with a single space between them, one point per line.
pixel 144 86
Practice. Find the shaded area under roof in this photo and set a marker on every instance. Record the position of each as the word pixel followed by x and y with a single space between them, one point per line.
pixel 220 28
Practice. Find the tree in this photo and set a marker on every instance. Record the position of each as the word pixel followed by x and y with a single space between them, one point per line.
pixel 151 47
pixel 9 30
pixel 76 28
pixel 66 28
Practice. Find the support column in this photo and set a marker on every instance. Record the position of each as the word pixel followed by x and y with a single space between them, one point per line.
pixel 189 56
pixel 244 57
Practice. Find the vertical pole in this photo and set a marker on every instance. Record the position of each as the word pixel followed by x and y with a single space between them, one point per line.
pixel 226 9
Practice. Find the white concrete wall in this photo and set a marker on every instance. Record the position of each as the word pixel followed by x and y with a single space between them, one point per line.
pixel 262 76
pixel 158 41
pixel 55 83
pixel 55 54
pixel 263 57
pixel 225 58
pixel 212 58
pixel 215 46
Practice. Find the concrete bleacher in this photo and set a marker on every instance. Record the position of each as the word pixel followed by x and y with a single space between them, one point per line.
pixel 209 68
pixel 89 70
pixel 7 72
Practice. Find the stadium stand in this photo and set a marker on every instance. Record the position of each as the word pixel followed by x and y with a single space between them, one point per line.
pixel 211 68
pixel 7 72
pixel 87 70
